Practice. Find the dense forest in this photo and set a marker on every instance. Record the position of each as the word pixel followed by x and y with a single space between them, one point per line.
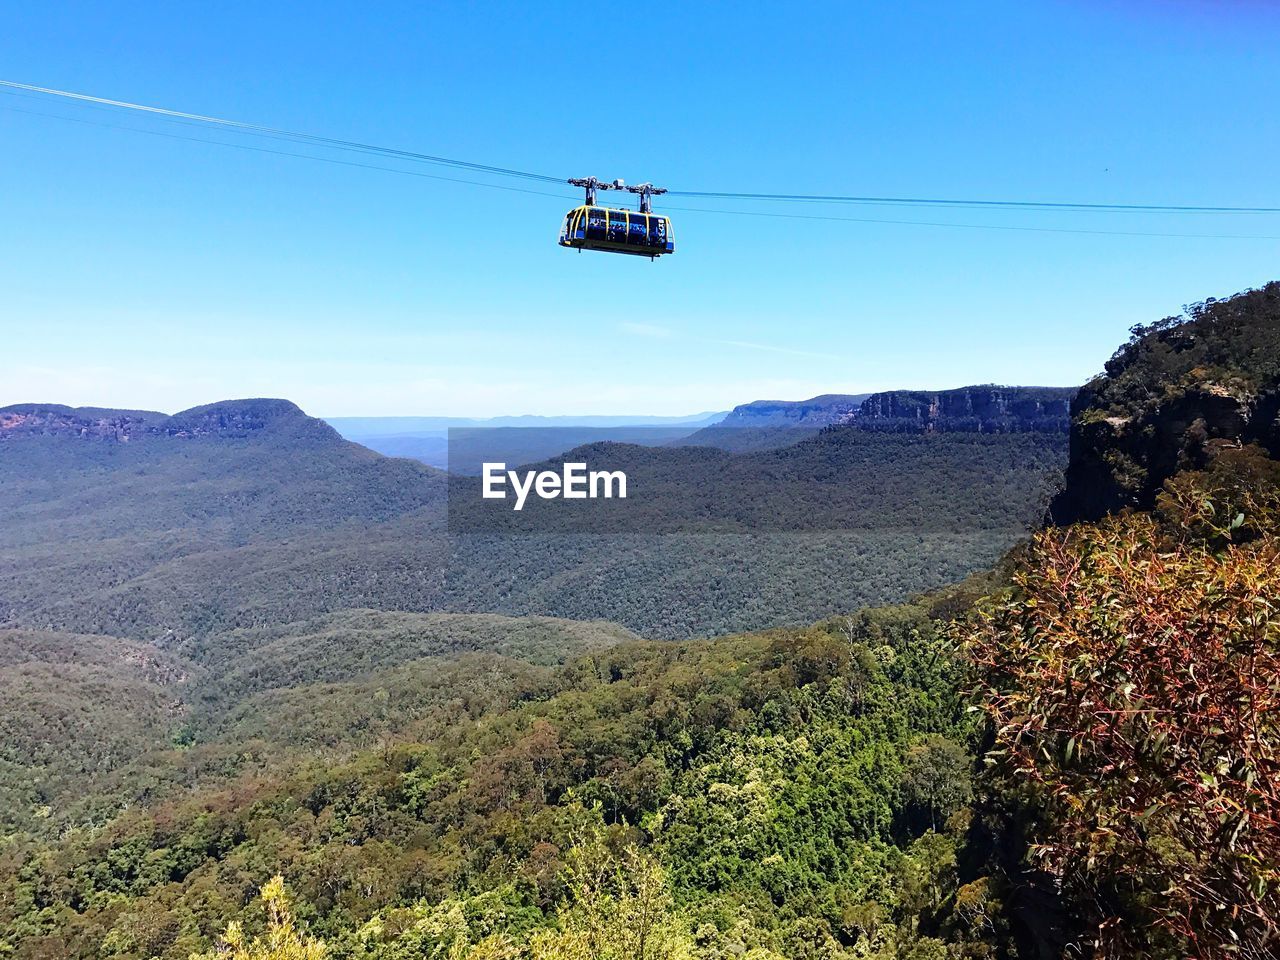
pixel 778 786
pixel 842 480
pixel 1073 754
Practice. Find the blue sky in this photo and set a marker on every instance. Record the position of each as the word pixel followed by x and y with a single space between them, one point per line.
pixel 146 271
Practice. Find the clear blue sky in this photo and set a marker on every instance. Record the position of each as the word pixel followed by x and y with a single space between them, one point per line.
pixel 146 271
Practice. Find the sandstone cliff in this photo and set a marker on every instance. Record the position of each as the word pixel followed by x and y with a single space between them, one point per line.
pixel 979 409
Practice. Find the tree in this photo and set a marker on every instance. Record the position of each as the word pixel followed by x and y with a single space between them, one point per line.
pixel 621 907
pixel 937 778
pixel 283 941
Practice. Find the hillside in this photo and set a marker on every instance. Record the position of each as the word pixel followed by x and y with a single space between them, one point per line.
pixel 770 424
pixel 490 812
pixel 236 471
pixel 74 710
pixel 240 418
pixel 1129 670
pixel 94 722
pixel 468 449
pixel 746 439
pixel 840 480
pixel 357 643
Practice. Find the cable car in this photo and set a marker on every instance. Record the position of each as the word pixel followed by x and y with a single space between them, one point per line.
pixel 617 231
pixel 641 233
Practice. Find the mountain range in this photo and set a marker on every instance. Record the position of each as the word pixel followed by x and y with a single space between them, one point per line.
pixel 234 514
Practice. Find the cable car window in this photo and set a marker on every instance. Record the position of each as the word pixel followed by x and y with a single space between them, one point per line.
pixel 595 224
pixel 658 233
pixel 617 226
pixel 639 229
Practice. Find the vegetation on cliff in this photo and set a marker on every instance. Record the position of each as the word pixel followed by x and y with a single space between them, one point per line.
pixel 1179 387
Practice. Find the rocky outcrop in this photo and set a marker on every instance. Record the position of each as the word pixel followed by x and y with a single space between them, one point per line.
pixel 1177 390
pixel 244 418
pixel 979 409
pixel 86 423
pixel 230 418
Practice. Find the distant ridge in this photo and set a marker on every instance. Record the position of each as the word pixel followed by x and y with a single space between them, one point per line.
pixel 986 408
pixel 227 418
pixel 814 412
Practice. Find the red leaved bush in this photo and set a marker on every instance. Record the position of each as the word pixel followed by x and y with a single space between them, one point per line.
pixel 1134 685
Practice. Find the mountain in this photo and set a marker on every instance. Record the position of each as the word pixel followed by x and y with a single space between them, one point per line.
pixel 1129 674
pixel 770 424
pixel 1180 388
pixel 842 479
pixel 224 474
pixel 236 418
pixel 465 450
pixel 745 439
pixel 52 419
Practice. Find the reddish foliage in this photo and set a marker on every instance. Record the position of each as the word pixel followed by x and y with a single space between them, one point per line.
pixel 1134 684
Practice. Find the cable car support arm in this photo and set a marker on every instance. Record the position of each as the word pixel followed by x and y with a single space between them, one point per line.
pixel 647 191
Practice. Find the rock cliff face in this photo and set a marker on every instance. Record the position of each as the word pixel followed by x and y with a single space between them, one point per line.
pixel 230 418
pixel 815 412
pixel 980 409
pixel 87 423
pixel 1179 388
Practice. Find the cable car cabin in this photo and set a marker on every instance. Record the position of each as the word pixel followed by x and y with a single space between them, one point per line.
pixel 617 231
